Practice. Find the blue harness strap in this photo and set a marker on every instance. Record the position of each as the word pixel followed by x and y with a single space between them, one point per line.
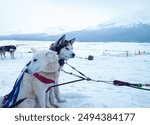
pixel 11 98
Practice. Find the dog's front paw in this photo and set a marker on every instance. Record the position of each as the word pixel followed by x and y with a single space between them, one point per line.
pixel 56 106
pixel 61 100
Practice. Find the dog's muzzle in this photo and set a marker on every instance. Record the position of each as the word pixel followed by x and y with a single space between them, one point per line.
pixel 27 71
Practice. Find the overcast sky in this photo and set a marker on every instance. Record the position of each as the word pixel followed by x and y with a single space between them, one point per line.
pixel 36 15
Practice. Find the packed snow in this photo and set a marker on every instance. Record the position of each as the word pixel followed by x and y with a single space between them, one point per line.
pixel 112 61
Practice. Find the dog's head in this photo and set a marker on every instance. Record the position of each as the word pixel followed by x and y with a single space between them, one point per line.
pixel 43 61
pixel 13 47
pixel 63 48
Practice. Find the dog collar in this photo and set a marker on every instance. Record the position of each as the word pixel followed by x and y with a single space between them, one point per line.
pixel 61 62
pixel 43 79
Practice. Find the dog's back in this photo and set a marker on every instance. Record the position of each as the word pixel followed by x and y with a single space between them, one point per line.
pixel 9 48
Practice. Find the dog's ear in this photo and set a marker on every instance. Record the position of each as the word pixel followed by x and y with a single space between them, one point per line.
pixel 61 40
pixel 72 40
pixel 33 50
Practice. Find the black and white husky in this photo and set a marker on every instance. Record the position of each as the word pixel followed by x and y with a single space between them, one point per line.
pixel 8 48
pixel 64 49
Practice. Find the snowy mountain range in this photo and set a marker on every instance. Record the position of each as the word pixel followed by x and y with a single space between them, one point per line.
pixel 108 32
pixel 138 32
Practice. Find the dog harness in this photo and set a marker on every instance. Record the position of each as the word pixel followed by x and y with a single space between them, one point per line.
pixel 10 100
pixel 44 80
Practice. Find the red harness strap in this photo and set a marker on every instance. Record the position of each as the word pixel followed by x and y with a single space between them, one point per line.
pixel 43 79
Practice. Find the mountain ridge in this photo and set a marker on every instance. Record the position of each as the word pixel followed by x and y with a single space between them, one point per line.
pixel 136 32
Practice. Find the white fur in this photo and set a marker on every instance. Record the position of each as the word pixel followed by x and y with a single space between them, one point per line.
pixel 66 52
pixel 44 60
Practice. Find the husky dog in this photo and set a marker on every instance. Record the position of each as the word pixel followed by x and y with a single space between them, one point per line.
pixel 40 75
pixel 64 50
pixel 9 48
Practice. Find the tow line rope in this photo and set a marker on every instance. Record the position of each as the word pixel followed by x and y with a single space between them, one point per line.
pixel 114 82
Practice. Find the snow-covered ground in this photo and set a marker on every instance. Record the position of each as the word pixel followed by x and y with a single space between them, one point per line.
pixel 107 65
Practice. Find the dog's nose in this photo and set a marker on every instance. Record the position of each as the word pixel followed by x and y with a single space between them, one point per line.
pixel 27 71
pixel 73 55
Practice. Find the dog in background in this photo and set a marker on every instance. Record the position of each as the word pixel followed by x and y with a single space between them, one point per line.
pixel 8 48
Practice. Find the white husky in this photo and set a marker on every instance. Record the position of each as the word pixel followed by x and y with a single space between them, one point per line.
pixel 35 83
pixel 64 50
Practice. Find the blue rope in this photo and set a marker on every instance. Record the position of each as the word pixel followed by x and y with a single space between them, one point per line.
pixel 12 96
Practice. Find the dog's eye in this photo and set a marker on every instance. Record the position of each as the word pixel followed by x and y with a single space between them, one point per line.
pixel 67 48
pixel 34 60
